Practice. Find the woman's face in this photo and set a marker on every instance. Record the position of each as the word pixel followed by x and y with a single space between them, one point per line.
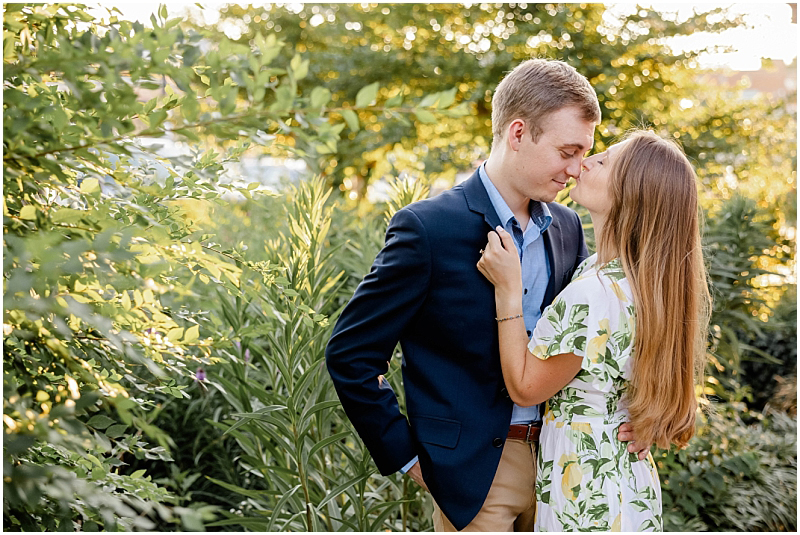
pixel 592 186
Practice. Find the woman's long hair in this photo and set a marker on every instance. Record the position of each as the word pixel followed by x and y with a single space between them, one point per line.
pixel 654 228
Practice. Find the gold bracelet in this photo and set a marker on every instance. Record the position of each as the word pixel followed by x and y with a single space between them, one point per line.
pixel 498 320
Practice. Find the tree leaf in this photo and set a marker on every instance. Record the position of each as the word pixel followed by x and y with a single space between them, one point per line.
pixel 351 119
pixel 327 441
pixel 299 67
pixel 320 96
pixel 279 507
pixel 429 100
pixel 425 116
pixel 28 212
pixel 99 421
pixel 116 430
pixel 367 95
pixel 192 334
pixel 446 98
pixel 90 185
pixel 395 101
pixel 175 334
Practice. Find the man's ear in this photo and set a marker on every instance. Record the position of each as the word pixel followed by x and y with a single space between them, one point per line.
pixel 516 130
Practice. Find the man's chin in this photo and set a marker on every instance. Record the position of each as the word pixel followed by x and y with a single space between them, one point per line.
pixel 545 197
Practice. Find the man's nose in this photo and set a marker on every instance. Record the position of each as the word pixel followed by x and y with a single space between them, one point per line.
pixel 574 168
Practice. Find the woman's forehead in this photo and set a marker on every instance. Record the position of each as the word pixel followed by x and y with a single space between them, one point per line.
pixel 613 149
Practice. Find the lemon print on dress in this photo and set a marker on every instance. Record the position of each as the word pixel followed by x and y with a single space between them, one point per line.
pixel 583 427
pixel 618 292
pixel 539 351
pixel 573 475
pixel 595 349
pixel 617 524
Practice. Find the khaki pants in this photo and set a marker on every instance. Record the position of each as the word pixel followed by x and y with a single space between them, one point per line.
pixel 511 502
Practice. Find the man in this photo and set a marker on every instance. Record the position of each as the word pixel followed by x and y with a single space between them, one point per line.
pixel 464 439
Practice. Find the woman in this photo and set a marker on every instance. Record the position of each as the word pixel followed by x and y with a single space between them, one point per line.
pixel 599 366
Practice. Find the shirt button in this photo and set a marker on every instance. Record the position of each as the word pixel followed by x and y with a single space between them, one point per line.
pixel 526 291
pixel 497 443
pixel 529 333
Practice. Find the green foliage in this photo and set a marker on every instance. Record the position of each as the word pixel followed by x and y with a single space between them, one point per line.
pixel 101 249
pixel 306 469
pixel 91 245
pixel 733 476
pixel 740 239
pixel 467 49
pixel 163 346
pixel 773 373
pixel 770 367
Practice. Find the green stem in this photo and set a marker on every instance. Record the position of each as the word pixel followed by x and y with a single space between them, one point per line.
pixel 302 473
pixel 404 509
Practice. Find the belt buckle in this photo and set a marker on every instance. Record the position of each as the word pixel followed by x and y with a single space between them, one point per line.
pixel 528 433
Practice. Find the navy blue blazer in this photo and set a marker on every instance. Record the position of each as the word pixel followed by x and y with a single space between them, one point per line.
pixel 425 291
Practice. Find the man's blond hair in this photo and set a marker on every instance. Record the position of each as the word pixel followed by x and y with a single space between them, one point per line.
pixel 535 89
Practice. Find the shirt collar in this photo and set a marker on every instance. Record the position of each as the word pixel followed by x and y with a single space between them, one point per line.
pixel 539 211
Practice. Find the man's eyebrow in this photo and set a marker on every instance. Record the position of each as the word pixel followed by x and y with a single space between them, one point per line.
pixel 579 146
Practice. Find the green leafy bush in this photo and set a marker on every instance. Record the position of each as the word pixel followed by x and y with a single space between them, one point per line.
pixel 742 245
pixel 734 476
pixel 773 364
pixel 101 251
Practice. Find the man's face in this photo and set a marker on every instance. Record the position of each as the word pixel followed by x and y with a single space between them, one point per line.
pixel 542 168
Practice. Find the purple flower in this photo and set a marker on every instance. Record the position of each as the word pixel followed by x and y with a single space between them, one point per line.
pixel 200 375
pixel 247 355
pixel 238 345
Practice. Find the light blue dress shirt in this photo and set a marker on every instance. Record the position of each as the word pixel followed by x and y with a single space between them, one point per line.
pixel 535 273
pixel 535 267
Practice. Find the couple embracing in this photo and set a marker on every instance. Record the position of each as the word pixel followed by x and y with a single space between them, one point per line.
pixel 537 377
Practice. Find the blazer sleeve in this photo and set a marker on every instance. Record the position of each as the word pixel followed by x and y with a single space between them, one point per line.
pixel 366 334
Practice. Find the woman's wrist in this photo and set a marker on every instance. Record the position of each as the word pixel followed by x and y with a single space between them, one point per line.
pixel 508 304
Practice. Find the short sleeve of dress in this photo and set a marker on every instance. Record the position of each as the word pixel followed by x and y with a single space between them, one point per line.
pixel 588 319
pixel 563 327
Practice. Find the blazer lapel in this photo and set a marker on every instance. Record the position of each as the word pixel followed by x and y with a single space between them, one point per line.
pixel 478 200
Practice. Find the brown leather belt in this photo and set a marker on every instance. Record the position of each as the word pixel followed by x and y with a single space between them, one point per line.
pixel 528 433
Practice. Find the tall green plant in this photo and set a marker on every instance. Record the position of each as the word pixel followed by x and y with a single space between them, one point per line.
pixel 308 469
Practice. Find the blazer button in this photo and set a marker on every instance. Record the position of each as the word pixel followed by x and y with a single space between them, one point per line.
pixel 504 392
pixel 497 443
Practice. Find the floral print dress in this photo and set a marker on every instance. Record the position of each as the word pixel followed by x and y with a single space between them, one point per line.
pixel 587 481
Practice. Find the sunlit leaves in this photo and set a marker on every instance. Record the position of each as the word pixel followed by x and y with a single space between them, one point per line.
pixel 104 236
pixel 352 119
pixel 366 95
pixel 320 96
pixel 299 67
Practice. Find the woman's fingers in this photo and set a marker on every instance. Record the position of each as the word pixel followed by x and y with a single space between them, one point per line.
pixel 494 242
pixel 508 241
